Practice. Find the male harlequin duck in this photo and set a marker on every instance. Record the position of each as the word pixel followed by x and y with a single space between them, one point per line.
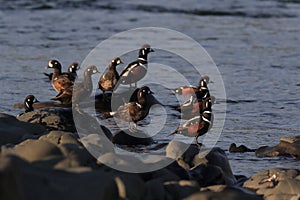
pixel 28 104
pixel 72 71
pixel 59 81
pixel 108 80
pixel 136 110
pixel 151 100
pixel 136 70
pixel 73 68
pixel 191 89
pixel 195 105
pixel 198 125
pixel 79 91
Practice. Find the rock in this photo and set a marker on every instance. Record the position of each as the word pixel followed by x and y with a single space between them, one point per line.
pixel 76 155
pixel 288 146
pixel 126 163
pixel 175 168
pixel 14 131
pixel 34 150
pixel 129 186
pixel 181 189
pixel 239 149
pixel 155 190
pixel 176 149
pixel 223 192
pixel 97 144
pixel 20 180
pixel 51 118
pixel 123 138
pixel 275 183
pixel 214 165
pixel 60 137
pixel 207 175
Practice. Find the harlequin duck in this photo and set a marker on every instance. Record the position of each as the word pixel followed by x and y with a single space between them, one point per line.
pixel 191 89
pixel 194 104
pixel 73 68
pixel 136 70
pixel 151 100
pixel 72 71
pixel 198 125
pixel 134 111
pixel 59 81
pixel 28 102
pixel 82 90
pixel 108 80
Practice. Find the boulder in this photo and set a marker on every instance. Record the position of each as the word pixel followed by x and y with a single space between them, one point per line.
pixel 34 150
pixel 181 189
pixel 213 163
pixel 288 146
pixel 239 149
pixel 123 138
pixel 51 118
pixel 275 183
pixel 21 180
pixel 14 131
pixel 223 192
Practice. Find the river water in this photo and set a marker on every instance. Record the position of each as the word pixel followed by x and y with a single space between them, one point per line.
pixel 255 45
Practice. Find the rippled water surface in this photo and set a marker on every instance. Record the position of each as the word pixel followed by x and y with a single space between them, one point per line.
pixel 255 45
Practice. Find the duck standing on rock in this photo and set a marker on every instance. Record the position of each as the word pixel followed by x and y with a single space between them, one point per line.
pixel 72 72
pixel 136 70
pixel 134 111
pixel 59 81
pixel 198 125
pixel 109 80
pixel 79 91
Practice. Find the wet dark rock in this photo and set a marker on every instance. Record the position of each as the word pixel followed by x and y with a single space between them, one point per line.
pixel 51 118
pixel 288 146
pixel 223 192
pixel 181 189
pixel 21 180
pixel 275 183
pixel 14 131
pixel 207 175
pixel 212 168
pixel 123 138
pixel 239 149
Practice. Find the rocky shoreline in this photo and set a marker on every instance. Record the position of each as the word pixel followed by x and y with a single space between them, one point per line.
pixel 42 157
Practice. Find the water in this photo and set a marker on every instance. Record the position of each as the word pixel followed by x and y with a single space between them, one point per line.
pixel 255 45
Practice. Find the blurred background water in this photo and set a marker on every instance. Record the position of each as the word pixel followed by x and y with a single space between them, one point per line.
pixel 255 45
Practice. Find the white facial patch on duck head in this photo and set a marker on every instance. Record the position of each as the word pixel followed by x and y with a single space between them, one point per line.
pixel 50 64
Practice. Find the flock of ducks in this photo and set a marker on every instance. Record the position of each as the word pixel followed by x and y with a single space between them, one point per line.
pixel 197 110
